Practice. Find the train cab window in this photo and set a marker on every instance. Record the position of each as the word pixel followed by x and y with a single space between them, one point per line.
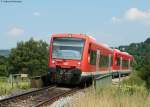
pixel 104 61
pixel 93 57
pixel 67 48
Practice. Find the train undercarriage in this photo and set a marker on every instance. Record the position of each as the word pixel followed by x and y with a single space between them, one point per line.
pixel 65 75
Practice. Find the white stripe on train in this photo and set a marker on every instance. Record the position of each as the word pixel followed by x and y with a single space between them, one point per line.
pixel 103 72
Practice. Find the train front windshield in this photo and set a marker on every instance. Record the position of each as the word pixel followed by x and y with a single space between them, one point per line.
pixel 67 48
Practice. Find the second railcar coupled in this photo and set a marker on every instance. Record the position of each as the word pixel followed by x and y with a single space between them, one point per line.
pixel 77 58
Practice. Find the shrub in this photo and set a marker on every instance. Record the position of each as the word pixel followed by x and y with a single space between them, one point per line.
pixel 145 70
pixel 133 80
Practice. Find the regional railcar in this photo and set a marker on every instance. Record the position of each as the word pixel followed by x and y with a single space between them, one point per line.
pixel 121 63
pixel 77 58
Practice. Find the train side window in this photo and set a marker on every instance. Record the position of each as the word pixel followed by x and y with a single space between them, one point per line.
pixel 93 57
pixel 104 61
pixel 125 63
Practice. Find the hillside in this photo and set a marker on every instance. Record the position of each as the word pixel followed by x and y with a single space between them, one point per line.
pixel 4 53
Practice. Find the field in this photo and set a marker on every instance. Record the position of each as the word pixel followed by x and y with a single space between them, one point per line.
pixel 6 86
pixel 124 96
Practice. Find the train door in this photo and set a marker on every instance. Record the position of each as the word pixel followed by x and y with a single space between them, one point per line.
pixel 129 67
pixel 109 63
pixel 97 59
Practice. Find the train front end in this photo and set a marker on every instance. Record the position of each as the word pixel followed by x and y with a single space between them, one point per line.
pixel 65 58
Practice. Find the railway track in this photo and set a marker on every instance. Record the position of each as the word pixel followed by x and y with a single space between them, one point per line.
pixel 41 97
pixel 37 98
pixel 56 97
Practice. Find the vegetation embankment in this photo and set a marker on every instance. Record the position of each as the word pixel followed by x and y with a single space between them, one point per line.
pixel 114 97
pixel 131 93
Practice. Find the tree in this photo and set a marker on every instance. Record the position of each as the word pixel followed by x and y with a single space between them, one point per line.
pixel 3 66
pixel 29 57
pixel 145 70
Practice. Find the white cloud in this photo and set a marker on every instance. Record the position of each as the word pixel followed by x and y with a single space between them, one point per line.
pixel 15 31
pixel 36 14
pixel 115 19
pixel 136 14
pixel 133 14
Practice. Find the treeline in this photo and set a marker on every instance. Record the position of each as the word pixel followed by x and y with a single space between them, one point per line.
pixel 29 57
pixel 141 53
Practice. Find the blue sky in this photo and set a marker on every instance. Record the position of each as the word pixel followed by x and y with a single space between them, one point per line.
pixel 113 22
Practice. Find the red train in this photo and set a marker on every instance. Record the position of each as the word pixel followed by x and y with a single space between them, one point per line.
pixel 77 58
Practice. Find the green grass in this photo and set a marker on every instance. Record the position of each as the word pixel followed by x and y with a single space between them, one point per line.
pixel 6 87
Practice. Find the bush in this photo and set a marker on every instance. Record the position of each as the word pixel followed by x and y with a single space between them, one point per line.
pixel 30 57
pixel 145 70
pixel 133 80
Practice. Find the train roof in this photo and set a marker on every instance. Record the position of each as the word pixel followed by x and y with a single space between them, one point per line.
pixel 123 54
pixel 84 36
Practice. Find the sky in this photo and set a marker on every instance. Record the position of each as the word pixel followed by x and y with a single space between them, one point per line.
pixel 113 22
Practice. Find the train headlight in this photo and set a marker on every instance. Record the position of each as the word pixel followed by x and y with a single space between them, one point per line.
pixel 79 63
pixel 53 61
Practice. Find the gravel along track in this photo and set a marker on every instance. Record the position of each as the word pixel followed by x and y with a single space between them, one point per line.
pixel 62 93
pixel 38 99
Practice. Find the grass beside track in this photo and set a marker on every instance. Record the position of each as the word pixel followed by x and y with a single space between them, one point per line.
pixel 6 87
pixel 125 96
